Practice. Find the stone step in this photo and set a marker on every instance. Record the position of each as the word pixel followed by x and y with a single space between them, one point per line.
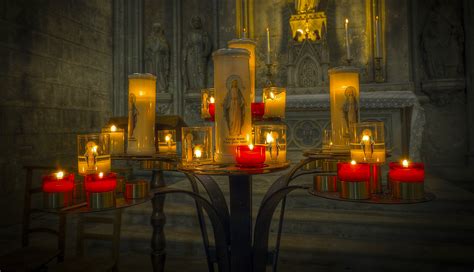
pixel 320 250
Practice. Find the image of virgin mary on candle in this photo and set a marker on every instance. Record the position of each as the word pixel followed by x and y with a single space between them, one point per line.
pixel 132 107
pixel 234 106
pixel 351 107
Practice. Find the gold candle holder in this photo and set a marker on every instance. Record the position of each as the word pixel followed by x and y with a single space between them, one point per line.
pixel 166 141
pixel 101 200
pixel 136 189
pixel 197 145
pixel 207 98
pixel 116 139
pixel 367 142
pixel 273 137
pixel 325 183
pixel 57 200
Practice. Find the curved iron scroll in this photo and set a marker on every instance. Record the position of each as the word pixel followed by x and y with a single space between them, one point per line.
pixel 222 253
pixel 262 226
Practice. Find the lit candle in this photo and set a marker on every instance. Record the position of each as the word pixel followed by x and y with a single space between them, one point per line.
pixel 250 155
pixel 268 47
pixel 212 108
pixel 58 182
pixel 166 141
pixel 348 49
pixel 353 171
pixel 97 183
pixel 406 171
pixel 141 114
pixel 275 102
pixel 116 139
pixel 378 31
pixel 197 152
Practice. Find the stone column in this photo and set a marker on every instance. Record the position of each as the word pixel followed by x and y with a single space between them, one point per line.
pixel 469 72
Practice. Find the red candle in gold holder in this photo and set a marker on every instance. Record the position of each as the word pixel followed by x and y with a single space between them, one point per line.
pixel 100 189
pixel 407 180
pixel 354 178
pixel 57 190
pixel 251 156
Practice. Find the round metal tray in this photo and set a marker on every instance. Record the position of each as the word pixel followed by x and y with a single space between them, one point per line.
pixel 383 198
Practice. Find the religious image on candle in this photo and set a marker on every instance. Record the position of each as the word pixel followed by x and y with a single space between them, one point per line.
pixel 197 145
pixel 367 142
pixel 93 153
pixel 344 102
pixel 166 141
pixel 207 98
pixel 273 137
pixel 275 102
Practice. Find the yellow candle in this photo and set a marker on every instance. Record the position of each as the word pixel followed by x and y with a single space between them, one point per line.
pixel 250 46
pixel 117 138
pixel 141 114
pixel 275 102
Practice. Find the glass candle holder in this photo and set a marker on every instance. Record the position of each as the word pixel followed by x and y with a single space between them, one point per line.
pixel 141 114
pixel 197 145
pixel 117 138
pixel 273 137
pixel 207 98
pixel 58 182
pixel 258 111
pixel 166 140
pixel 93 153
pixel 249 45
pixel 250 155
pixel 275 102
pixel 406 180
pixel 233 101
pixel 344 103
pixel 327 139
pixel 367 142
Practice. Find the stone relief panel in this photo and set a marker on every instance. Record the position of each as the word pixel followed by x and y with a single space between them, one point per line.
pixel 196 55
pixel 442 40
pixel 157 57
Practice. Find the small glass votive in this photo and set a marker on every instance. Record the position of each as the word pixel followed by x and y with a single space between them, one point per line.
pixel 258 110
pixel 406 180
pixel 117 139
pixel 327 139
pixel 250 156
pixel 367 142
pixel 273 137
pixel 93 153
pixel 197 145
pixel 166 141
pixel 207 99
pixel 275 102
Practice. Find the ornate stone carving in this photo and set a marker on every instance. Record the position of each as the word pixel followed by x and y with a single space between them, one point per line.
pixel 307 134
pixel 197 50
pixel 442 41
pixel 163 109
pixel 157 57
pixel 442 91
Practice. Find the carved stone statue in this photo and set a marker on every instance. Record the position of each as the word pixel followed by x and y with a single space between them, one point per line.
pixel 157 57
pixel 197 49
pixel 302 6
pixel 442 41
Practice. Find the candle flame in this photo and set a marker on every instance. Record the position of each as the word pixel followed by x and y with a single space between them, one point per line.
pixel 212 100
pixel 376 17
pixel 101 175
pixel 272 95
pixel 168 138
pixel 140 93
pixel 60 175
pixel 197 152
pixel 269 138
pixel 365 138
pixel 353 162
pixel 113 128
pixel 251 147
pixel 405 163
pixel 94 148
pixel 347 21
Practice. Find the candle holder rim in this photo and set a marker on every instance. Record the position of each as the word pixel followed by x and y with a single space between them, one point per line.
pixel 240 52
pixel 142 76
pixel 343 69
pixel 242 40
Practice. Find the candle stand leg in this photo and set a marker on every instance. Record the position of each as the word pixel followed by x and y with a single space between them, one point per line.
pixel 158 219
pixel 241 222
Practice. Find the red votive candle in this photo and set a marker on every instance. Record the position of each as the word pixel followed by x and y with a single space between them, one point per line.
pixel 212 111
pixel 410 172
pixel 250 155
pixel 347 171
pixel 98 183
pixel 58 183
pixel 258 110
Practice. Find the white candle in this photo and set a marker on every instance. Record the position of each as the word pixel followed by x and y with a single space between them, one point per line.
pixel 268 47
pixel 378 52
pixel 116 140
pixel 348 49
pixel 275 104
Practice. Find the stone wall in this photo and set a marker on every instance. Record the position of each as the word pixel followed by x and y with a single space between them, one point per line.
pixel 56 77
